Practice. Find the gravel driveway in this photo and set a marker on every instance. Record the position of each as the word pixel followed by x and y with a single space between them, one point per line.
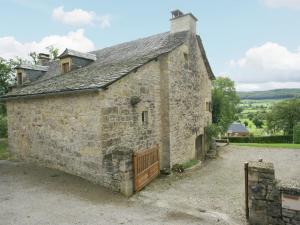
pixel 31 195
pixel 213 194
pixel 217 188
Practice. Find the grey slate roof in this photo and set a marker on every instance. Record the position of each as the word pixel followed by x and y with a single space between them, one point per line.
pixel 237 128
pixel 32 67
pixel 112 64
pixel 70 52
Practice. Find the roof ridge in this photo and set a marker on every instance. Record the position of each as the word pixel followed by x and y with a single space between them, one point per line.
pixel 112 64
pixel 127 42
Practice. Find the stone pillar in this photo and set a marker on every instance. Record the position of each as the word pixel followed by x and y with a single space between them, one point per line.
pixel 264 196
pixel 126 174
pixel 118 171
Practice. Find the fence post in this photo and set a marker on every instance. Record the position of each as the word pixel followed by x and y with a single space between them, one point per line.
pixel 246 190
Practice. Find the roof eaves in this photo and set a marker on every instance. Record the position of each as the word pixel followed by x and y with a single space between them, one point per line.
pixel 32 67
pixel 50 93
pixel 70 52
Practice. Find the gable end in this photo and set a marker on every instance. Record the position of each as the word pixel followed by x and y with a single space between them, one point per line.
pixel 206 62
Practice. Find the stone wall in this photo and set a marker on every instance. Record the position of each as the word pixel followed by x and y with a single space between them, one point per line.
pixel 122 126
pixel 59 132
pixel 267 197
pixel 290 195
pixel 189 89
pixel 91 135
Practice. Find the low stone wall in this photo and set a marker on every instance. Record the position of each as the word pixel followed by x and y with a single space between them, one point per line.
pixel 270 202
pixel 290 195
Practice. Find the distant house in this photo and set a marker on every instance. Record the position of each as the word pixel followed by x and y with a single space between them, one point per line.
pixel 237 130
pixel 87 113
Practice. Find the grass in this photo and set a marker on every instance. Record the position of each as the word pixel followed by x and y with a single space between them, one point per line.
pixel 280 145
pixel 179 168
pixel 4 154
pixel 256 107
pixel 190 163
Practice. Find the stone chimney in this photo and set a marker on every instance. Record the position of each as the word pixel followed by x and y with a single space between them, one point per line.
pixel 183 22
pixel 44 59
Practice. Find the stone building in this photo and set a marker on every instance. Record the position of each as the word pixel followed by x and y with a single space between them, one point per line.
pixel 86 113
pixel 237 129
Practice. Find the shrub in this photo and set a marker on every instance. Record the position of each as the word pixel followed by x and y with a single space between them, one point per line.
pixel 178 168
pixel 3 127
pixel 297 134
pixel 212 130
pixel 262 139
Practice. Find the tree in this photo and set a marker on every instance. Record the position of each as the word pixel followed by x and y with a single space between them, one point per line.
pixel 283 116
pixel 225 102
pixel 258 122
pixel 6 74
pixel 53 51
pixel 250 116
pixel 35 58
pixel 246 123
pixel 7 78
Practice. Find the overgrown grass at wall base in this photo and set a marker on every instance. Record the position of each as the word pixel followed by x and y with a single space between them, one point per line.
pixel 3 127
pixel 297 134
pixel 262 139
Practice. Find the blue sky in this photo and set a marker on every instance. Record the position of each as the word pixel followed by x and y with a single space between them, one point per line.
pixel 255 42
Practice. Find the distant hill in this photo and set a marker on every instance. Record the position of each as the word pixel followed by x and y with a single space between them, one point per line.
pixel 271 94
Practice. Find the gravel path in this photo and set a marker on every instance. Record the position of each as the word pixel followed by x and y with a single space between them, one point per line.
pixel 210 195
pixel 217 188
pixel 31 195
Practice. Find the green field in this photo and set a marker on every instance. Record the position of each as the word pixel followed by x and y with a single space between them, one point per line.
pixel 256 108
pixel 290 146
pixel 256 104
pixel 3 149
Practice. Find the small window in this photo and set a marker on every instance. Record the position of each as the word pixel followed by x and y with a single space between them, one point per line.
pixel 208 106
pixel 65 67
pixel 186 59
pixel 20 78
pixel 145 118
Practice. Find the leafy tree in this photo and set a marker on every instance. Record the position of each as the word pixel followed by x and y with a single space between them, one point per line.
pixel 283 116
pixel 35 58
pixel 258 122
pixel 225 102
pixel 246 123
pixel 7 78
pixel 250 116
pixel 53 52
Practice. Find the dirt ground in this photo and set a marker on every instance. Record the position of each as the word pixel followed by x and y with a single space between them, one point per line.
pixel 217 188
pixel 212 194
pixel 31 195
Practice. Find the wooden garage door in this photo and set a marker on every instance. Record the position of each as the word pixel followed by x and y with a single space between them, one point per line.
pixel 145 166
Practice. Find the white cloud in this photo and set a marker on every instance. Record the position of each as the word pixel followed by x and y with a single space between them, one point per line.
pixel 283 3
pixel 268 66
pixel 266 63
pixel 79 17
pixel 10 47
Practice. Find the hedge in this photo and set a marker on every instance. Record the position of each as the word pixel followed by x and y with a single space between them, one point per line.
pixel 262 139
pixel 297 134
